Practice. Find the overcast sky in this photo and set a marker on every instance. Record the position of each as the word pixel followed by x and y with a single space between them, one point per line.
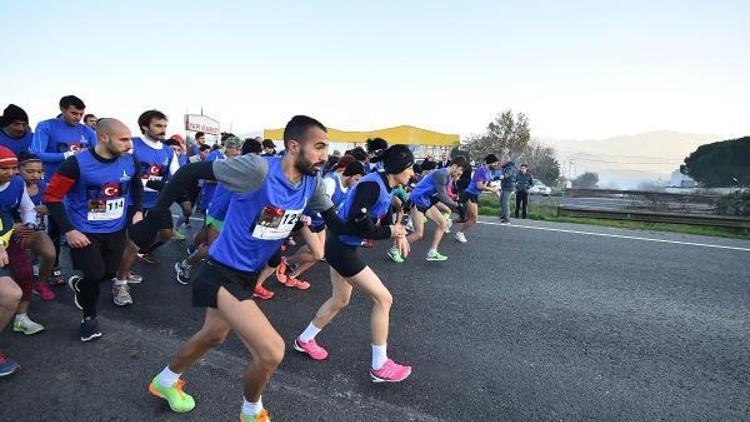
pixel 579 69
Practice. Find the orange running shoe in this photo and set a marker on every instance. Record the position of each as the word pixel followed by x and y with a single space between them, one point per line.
pixel 262 293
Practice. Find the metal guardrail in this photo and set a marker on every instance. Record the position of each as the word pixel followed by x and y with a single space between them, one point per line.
pixel 663 196
pixel 656 217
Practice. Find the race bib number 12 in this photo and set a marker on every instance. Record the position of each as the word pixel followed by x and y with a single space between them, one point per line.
pixel 275 223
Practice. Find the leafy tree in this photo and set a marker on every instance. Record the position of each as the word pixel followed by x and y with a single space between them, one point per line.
pixel 457 152
pixel 541 161
pixel 725 163
pixel 587 180
pixel 506 134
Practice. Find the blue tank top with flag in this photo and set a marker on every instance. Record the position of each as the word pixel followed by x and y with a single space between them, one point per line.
pixel 258 222
pixel 154 166
pixel 11 196
pixel 96 203
pixel 378 210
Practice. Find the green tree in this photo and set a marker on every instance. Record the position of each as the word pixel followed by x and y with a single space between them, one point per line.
pixel 725 163
pixel 457 152
pixel 506 134
pixel 587 180
pixel 542 162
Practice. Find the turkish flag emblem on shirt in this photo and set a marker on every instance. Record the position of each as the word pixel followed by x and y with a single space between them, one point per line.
pixel 111 190
pixel 155 170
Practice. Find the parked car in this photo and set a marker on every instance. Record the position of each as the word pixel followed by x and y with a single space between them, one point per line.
pixel 540 188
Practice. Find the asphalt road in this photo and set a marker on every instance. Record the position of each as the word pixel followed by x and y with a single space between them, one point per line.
pixel 535 321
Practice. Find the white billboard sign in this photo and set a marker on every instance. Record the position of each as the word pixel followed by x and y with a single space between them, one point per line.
pixel 195 123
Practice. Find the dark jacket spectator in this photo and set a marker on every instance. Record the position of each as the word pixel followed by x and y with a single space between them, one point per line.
pixel 524 181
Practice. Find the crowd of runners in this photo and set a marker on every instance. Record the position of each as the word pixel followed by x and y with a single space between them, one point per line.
pixel 110 196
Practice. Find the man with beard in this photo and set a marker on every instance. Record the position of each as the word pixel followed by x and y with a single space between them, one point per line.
pixel 98 184
pixel 270 195
pixel 157 163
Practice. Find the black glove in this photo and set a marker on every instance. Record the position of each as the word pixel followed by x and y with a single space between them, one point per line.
pixel 156 185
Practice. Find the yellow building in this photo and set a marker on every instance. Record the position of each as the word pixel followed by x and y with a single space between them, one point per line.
pixel 421 141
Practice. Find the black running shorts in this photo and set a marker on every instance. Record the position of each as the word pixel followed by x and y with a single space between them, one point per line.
pixel 472 197
pixel 343 258
pixel 317 229
pixel 213 275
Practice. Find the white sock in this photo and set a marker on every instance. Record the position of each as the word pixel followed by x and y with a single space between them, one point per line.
pixel 432 251
pixel 167 378
pixel 20 316
pixel 310 332
pixel 379 356
pixel 251 409
pixel 119 282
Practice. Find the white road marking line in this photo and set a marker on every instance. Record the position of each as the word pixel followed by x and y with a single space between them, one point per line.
pixel 617 236
pixel 620 236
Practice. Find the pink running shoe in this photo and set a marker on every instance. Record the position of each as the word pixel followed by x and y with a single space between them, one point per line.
pixel 390 372
pixel 311 348
pixel 44 291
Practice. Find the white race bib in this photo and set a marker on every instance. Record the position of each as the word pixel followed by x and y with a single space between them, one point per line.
pixel 106 210
pixel 275 223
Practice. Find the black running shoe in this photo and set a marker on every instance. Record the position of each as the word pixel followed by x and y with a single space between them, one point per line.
pixel 89 330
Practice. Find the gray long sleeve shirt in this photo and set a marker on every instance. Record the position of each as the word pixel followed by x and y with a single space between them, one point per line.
pixel 441 179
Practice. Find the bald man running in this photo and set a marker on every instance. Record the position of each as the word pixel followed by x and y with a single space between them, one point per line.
pixel 98 184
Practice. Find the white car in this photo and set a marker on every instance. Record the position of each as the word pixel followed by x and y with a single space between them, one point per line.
pixel 540 188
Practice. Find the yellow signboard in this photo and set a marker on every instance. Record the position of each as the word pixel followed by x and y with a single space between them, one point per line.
pixel 408 135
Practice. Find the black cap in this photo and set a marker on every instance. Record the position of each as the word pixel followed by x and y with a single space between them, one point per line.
pixel 396 159
pixel 491 158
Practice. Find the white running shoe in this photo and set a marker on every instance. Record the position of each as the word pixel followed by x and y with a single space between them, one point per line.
pixel 25 325
pixel 460 237
pixel 121 295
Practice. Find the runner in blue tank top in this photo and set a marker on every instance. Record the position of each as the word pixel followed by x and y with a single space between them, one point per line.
pixel 97 184
pixel 15 201
pixel 157 163
pixel 367 207
pixel 270 195
pixel 338 182
pixel 480 182
pixel 429 192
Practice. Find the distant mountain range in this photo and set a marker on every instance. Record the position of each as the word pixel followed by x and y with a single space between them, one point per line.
pixel 626 161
